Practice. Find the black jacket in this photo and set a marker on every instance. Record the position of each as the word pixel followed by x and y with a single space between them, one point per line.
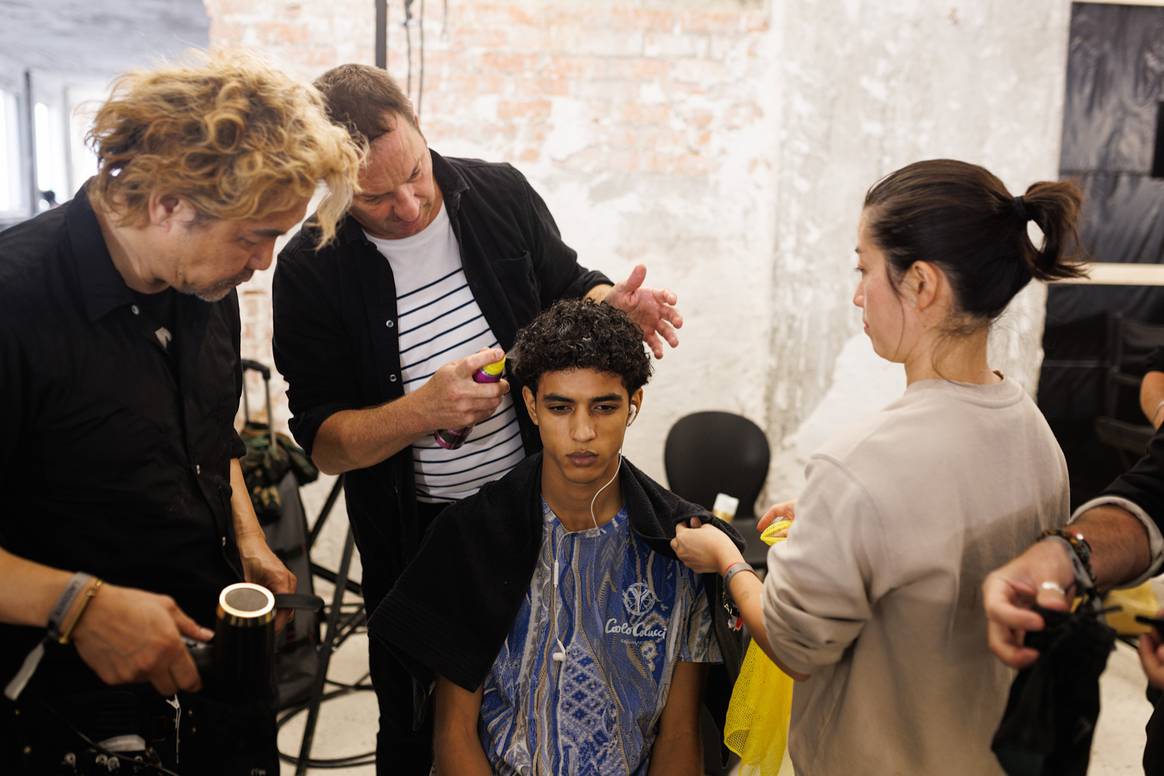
pixel 335 332
pixel 451 610
pixel 1143 484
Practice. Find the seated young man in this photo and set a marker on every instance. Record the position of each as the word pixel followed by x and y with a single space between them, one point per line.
pixel 564 635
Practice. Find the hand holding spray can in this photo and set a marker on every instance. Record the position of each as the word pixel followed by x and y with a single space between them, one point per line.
pixel 452 438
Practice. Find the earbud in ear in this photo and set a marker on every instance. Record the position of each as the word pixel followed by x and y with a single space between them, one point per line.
pixel 633 412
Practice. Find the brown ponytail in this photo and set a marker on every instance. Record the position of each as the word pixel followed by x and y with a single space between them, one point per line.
pixel 1054 207
pixel 961 218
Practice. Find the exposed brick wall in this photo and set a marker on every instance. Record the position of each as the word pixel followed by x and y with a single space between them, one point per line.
pixel 726 144
pixel 648 77
pixel 624 115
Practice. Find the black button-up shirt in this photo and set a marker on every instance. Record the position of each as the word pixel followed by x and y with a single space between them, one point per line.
pixel 336 335
pixel 114 458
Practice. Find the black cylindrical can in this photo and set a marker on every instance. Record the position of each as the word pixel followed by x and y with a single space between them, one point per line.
pixel 244 642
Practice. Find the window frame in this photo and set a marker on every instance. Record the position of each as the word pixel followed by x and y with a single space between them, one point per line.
pixel 67 97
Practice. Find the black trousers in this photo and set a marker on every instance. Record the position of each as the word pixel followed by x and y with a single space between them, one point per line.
pixel 42 734
pixel 404 740
pixel 1154 746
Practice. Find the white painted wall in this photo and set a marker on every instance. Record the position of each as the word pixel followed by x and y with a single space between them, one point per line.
pixel 979 80
pixel 837 94
pixel 762 254
pixel 709 240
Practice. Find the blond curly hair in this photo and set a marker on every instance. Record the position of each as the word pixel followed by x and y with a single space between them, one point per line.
pixel 236 138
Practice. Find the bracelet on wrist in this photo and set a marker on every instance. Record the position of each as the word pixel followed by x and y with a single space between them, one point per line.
pixel 736 568
pixel 1080 554
pixel 79 610
pixel 71 605
pixel 68 597
pixel 63 618
pixel 735 621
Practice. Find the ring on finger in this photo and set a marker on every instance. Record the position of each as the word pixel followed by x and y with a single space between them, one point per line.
pixel 1050 585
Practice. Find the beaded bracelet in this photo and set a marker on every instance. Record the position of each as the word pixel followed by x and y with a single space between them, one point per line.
pixel 1080 554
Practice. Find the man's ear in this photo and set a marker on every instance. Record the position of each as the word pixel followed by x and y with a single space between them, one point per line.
pixel 531 403
pixel 636 406
pixel 167 209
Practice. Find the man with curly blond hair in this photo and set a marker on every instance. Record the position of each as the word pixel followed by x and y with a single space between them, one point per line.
pixel 125 507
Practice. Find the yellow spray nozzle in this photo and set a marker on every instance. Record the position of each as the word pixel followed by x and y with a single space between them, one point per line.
pixel 495 369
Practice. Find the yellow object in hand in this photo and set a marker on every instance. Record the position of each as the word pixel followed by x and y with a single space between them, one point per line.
pixel 1131 601
pixel 777 532
pixel 756 727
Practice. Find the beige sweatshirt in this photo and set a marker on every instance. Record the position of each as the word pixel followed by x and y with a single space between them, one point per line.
pixel 876 593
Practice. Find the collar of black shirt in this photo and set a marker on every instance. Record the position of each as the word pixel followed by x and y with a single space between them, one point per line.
pixel 101 285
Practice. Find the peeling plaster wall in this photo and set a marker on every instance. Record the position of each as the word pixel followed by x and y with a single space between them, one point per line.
pixel 725 144
pixel 645 131
pixel 979 80
pixel 645 128
pixel 704 230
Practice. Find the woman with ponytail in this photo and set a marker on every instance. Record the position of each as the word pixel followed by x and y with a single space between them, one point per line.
pixel 873 602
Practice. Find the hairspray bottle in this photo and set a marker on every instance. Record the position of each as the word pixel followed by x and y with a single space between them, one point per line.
pixel 452 438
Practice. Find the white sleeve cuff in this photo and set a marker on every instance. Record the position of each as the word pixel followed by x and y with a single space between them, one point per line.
pixel 1155 538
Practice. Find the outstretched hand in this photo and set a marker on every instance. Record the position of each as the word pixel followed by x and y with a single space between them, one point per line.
pixel 653 309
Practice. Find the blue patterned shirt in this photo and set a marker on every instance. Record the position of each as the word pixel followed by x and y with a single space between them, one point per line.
pixel 624 616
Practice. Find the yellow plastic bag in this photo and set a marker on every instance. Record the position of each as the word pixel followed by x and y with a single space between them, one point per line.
pixel 1132 601
pixel 756 727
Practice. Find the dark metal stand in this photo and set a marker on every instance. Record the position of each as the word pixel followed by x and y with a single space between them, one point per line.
pixel 338 626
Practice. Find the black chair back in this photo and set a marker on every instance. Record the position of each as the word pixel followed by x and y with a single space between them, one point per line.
pixel 717 452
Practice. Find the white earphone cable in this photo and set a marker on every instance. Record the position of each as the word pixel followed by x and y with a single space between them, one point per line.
pixel 560 655
pixel 604 487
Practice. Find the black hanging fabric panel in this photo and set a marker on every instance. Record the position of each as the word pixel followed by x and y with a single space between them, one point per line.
pixel 1111 129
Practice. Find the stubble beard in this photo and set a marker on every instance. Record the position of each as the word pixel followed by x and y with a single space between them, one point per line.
pixel 219 291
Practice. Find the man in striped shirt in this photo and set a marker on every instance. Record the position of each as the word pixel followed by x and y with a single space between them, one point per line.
pixel 438 264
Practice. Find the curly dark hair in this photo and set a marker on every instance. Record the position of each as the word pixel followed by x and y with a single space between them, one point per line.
pixel 580 334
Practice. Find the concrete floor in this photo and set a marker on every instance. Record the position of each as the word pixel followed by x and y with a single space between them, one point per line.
pixel 347 725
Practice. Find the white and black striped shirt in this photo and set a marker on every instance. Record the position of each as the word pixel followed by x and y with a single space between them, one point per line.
pixel 439 321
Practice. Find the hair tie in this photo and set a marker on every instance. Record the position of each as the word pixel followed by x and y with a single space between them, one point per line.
pixel 1020 209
